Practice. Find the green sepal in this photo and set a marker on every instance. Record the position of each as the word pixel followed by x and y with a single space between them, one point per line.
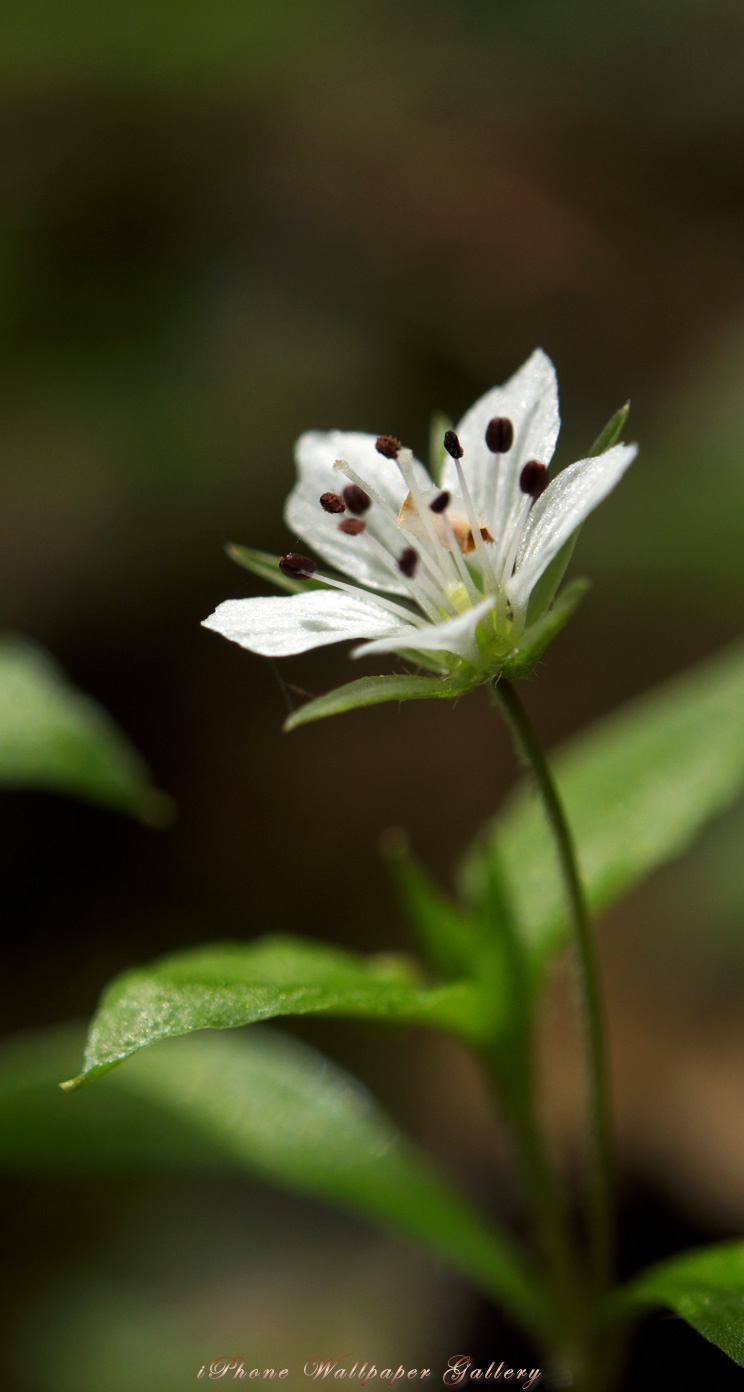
pixel 612 431
pixel 371 691
pixel 546 588
pixel 706 1288
pixel 232 984
pixel 536 639
pixel 266 566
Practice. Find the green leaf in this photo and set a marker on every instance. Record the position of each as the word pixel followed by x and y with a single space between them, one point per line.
pixel 706 1288
pixel 371 691
pixel 449 936
pixel 108 1128
pixel 55 738
pixel 612 431
pixel 292 1116
pixel 637 788
pixel 536 639
pixel 257 1101
pixel 234 984
pixel 266 566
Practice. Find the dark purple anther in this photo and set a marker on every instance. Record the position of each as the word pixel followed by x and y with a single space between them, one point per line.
pixel 534 478
pixel 389 446
pixel 295 566
pixel 356 499
pixel 499 435
pixel 332 502
pixel 407 562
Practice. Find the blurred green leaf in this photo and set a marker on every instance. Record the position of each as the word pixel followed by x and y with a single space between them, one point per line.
pixel 170 47
pixel 257 1101
pixel 234 984
pixel 686 550
pixel 294 1117
pixel 637 788
pixel 612 431
pixel 108 1128
pixel 541 633
pixel 706 1288
pixel 371 691
pixel 448 935
pixel 54 737
pixel 266 566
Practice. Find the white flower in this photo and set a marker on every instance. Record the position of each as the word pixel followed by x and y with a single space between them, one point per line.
pixel 442 572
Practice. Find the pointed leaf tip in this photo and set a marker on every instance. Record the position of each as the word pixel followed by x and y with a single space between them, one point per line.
pixel 232 984
pixel 705 1287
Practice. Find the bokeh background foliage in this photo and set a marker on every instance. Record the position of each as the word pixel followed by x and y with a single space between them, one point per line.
pixel 221 225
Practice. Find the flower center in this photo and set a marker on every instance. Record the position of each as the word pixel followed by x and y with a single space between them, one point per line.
pixel 426 543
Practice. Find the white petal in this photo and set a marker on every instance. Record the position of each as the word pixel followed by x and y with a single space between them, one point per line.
pixel 530 401
pixel 455 636
pixel 564 505
pixel 315 454
pixel 277 625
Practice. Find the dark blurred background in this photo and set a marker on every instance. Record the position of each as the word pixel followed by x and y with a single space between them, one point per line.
pixel 223 224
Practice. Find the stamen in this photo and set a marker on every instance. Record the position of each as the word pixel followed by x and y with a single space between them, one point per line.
pixel 500 435
pixel 356 499
pixel 341 466
pixel 441 503
pixel 438 554
pixel 425 591
pixel 406 615
pixel 534 478
pixel 460 565
pixel 352 526
pixel 452 444
pixel 504 485
pixel 432 559
pixel 296 566
pixel 489 579
pixel 499 440
pixel 533 481
pixel 332 502
pixel 407 562
pixel 388 446
pixel 515 537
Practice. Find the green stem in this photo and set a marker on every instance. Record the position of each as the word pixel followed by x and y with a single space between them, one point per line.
pixel 600 1196
pixel 511 1064
pixel 550 1216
